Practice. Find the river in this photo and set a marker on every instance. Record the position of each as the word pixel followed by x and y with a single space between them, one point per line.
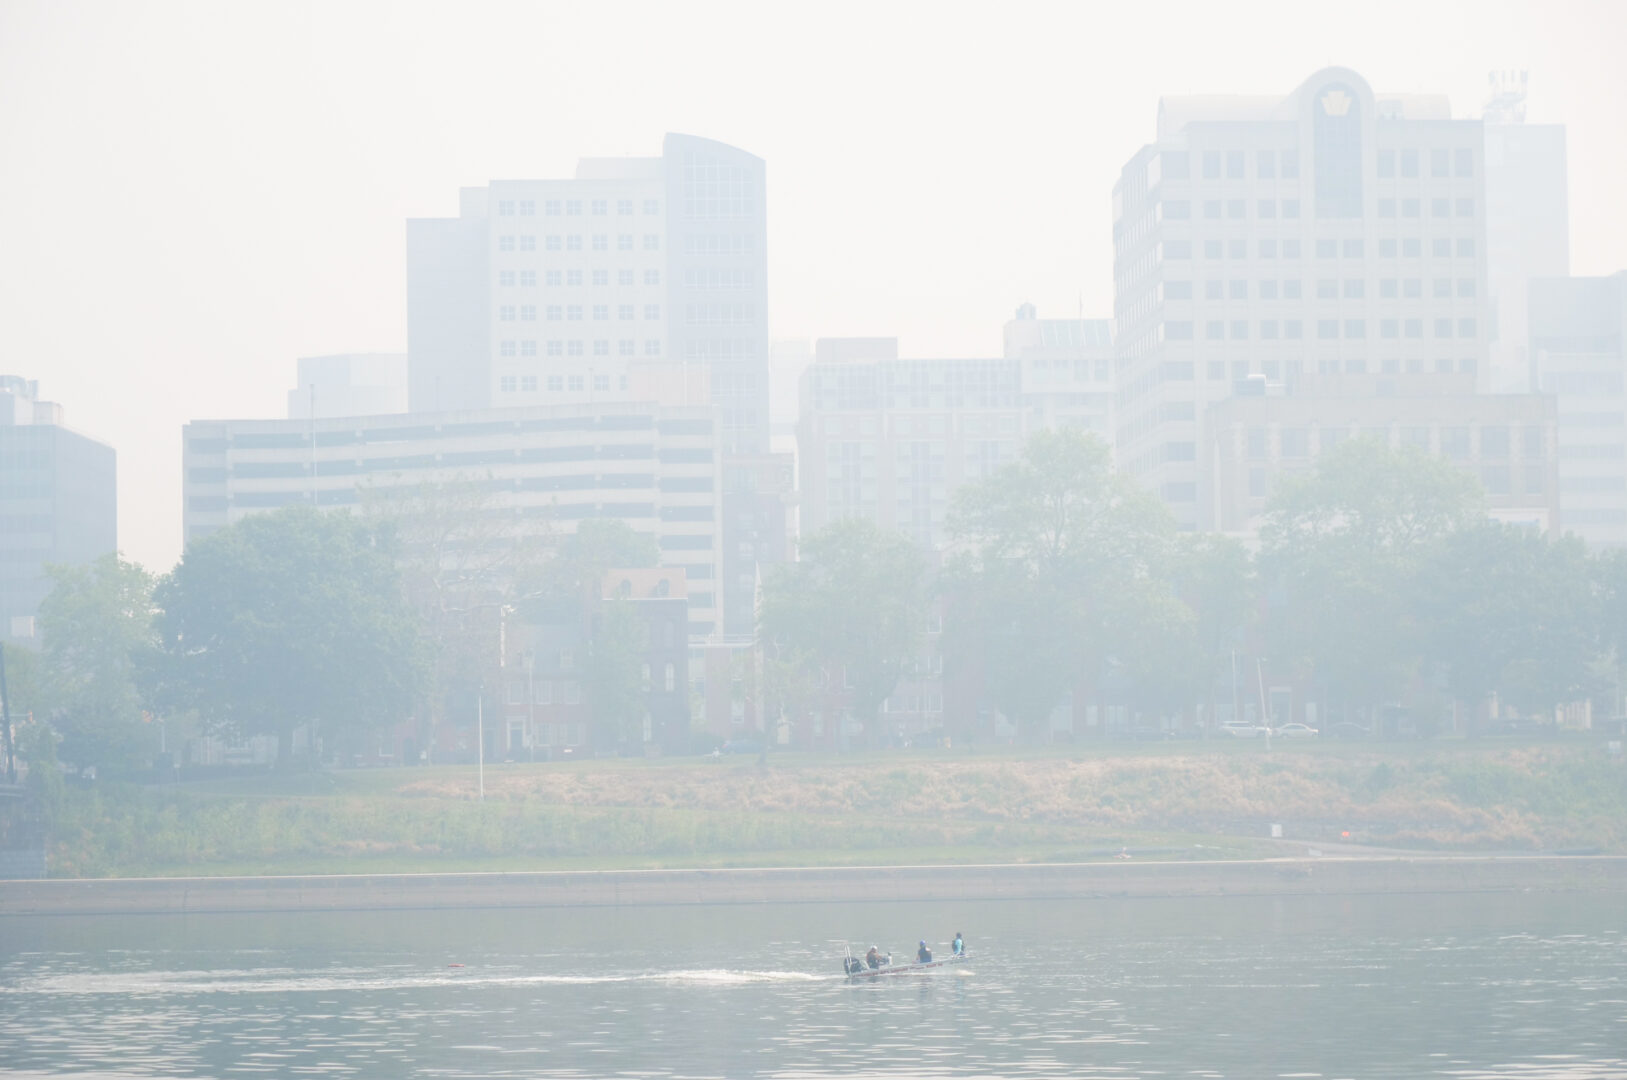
pixel 1488 985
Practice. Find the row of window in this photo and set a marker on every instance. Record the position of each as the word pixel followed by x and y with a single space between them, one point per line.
pixel 572 207
pixel 1351 247
pixel 575 347
pixel 510 384
pixel 1407 163
pixel 1267 209
pixel 527 279
pixel 572 312
pixel 573 242
pixel 1326 329
pixel 1220 371
pixel 1326 289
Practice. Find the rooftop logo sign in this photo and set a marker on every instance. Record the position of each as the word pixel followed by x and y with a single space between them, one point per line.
pixel 1335 103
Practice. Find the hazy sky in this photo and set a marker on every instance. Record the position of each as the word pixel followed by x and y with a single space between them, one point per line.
pixel 193 195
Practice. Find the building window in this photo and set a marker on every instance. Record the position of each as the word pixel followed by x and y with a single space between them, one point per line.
pixel 624 207
pixel 573 348
pixel 1443 288
pixel 1235 209
pixel 506 313
pixel 528 312
pixel 1268 329
pixel 554 278
pixel 1239 330
pixel 508 384
pixel 601 348
pixel 624 311
pixel 1389 328
pixel 652 347
pixel 1290 208
pixel 556 348
pixel 1412 248
pixel 1443 328
pixel 601 242
pixel 554 242
pixel 652 206
pixel 652 242
pixel 1465 162
pixel 1215 330
pixel 528 347
pixel 1386 208
pixel 1409 163
pixel 1327 289
pixel 1211 209
pixel 1291 289
pixel 1212 249
pixel 652 277
pixel 1440 163
pixel 528 279
pixel 1355 328
pixel 1178 330
pixel 528 242
pixel 1293 330
pixel 505 243
pixel 1386 164
pixel 1267 208
pixel 507 348
pixel 505 208
pixel 601 207
pixel 1440 207
pixel 528 208
pixel 1354 247
pixel 573 277
pixel 556 383
pixel 555 313
pixel 1211 164
pixel 1238 288
pixel 528 383
pixel 1467 328
pixel 551 207
pixel 1234 164
pixel 625 347
pixel 1466 287
pixel 1265 164
pixel 601 312
pixel 1327 248
pixel 1268 249
pixel 573 312
pixel 577 383
pixel 1387 248
pixel 1413 328
pixel 573 242
pixel 573 207
pixel 624 277
pixel 601 383
pixel 1327 328
pixel 1238 249
pixel 652 311
pixel 1465 247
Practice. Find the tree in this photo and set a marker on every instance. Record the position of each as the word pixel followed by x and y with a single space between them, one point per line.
pixel 853 607
pixel 1339 552
pixel 1186 620
pixel 1057 550
pixel 96 627
pixel 463 558
pixel 581 559
pixel 614 673
pixel 289 618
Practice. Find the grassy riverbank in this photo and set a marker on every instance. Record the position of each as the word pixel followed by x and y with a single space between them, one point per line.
pixel 1166 801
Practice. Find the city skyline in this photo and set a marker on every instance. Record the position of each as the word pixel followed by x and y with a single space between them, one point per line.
pixel 1002 199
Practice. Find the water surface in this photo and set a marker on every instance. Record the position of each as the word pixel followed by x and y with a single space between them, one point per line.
pixel 1521 985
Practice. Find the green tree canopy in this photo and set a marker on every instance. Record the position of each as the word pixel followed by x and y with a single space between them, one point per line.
pixel 96 628
pixel 1505 610
pixel 853 607
pixel 613 673
pixel 287 618
pixel 1056 553
pixel 1339 551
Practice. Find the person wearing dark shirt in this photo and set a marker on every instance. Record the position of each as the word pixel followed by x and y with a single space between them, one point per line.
pixel 873 958
pixel 923 954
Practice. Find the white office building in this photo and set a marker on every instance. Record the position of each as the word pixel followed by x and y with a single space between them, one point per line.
pixel 1066 369
pixel 1579 354
pixel 547 468
pixel 1332 230
pixel 1527 227
pixel 543 292
pixel 349 384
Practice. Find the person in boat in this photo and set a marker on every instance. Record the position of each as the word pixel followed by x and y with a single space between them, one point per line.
pixel 923 955
pixel 852 965
pixel 959 947
pixel 873 958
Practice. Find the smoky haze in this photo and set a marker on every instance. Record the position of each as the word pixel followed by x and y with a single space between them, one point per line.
pixel 193 195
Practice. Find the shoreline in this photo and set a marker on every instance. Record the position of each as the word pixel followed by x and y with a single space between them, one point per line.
pixel 1016 881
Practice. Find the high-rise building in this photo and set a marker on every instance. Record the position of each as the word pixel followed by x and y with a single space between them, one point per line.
pixel 1527 226
pixel 1578 353
pixel 544 291
pixel 58 501
pixel 349 384
pixel 1330 231
pixel 546 467
pixel 891 440
pixel 1067 370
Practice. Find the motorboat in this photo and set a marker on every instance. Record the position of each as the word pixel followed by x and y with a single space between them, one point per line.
pixel 857 969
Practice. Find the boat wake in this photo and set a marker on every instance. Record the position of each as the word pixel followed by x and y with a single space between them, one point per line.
pixel 289 981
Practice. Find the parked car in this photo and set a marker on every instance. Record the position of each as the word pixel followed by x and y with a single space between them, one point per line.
pixel 1239 729
pixel 1297 731
pixel 1345 729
